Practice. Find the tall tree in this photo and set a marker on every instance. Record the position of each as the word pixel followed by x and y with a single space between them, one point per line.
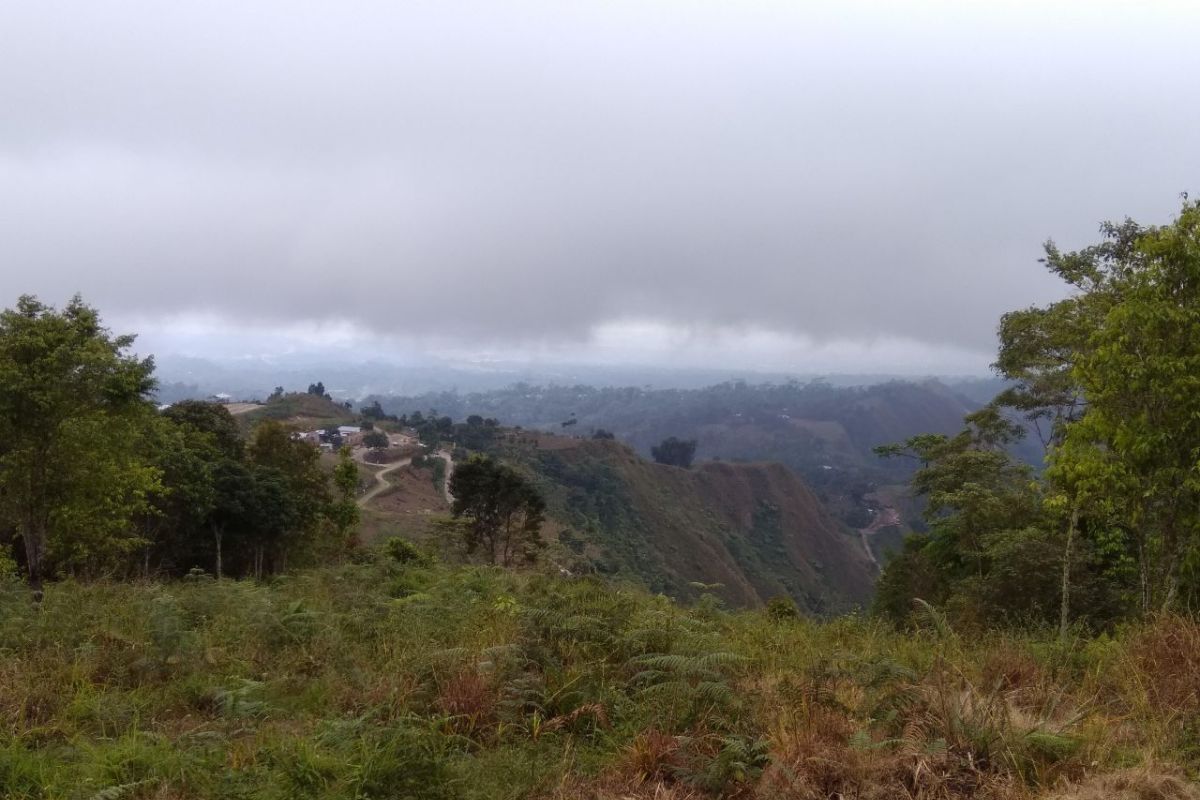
pixel 175 527
pixel 503 511
pixel 71 398
pixel 343 511
pixel 1039 347
pixel 1136 448
pixel 984 516
pixel 299 464
pixel 212 419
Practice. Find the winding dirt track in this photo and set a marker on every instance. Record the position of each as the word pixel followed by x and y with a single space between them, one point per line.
pixel 381 482
pixel 449 471
pixel 884 518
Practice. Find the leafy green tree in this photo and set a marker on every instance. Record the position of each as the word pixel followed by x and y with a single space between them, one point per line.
pixel 984 513
pixel 503 511
pixel 299 464
pixel 1039 347
pixel 374 411
pixel 233 511
pixel 1108 378
pixel 344 511
pixel 273 515
pixel 675 452
pixel 72 402
pixel 211 419
pixel 176 525
pixel 376 440
pixel 1135 449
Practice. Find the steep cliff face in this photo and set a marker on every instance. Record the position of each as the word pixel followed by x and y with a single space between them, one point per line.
pixel 755 529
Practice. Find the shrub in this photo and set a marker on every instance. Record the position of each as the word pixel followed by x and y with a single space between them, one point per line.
pixel 406 553
pixel 782 608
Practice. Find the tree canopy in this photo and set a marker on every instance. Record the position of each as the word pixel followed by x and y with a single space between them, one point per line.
pixel 73 402
pixel 502 510
pixel 1109 378
pixel 675 452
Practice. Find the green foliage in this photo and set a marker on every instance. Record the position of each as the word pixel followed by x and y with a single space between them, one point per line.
pixel 406 553
pixel 978 500
pixel 375 439
pixel 343 509
pixel 782 608
pixel 504 512
pixel 210 419
pixel 1108 378
pixel 1130 460
pixel 93 482
pixel 73 405
pixel 674 452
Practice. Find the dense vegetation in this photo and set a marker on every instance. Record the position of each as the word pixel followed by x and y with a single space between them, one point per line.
pixel 1109 379
pixel 95 481
pixel 395 678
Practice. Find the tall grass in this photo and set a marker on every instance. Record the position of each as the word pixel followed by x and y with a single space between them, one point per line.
pixel 401 679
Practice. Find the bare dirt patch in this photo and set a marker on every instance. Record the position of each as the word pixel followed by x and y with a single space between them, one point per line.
pixel 241 408
pixel 405 508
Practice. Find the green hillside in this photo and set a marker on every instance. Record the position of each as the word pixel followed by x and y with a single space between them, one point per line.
pixel 301 409
pixel 755 529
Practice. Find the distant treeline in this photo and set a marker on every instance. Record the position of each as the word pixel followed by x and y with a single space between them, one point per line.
pixel 807 426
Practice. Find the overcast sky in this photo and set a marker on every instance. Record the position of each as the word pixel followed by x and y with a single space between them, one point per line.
pixel 719 183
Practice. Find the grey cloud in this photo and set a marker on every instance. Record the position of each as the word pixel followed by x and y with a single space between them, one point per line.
pixel 508 172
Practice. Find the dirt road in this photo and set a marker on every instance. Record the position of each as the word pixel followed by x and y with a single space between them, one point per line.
pixel 381 483
pixel 886 517
pixel 449 471
pixel 241 408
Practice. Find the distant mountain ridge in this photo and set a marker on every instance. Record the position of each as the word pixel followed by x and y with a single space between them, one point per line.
pixel 811 427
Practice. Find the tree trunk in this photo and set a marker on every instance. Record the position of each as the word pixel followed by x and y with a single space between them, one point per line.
pixel 1065 610
pixel 35 541
pixel 1143 575
pixel 217 539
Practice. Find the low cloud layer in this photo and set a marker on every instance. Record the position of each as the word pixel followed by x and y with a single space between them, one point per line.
pixel 513 174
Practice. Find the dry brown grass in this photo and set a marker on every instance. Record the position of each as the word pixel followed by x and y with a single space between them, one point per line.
pixel 816 759
pixel 616 788
pixel 470 699
pixel 1141 784
pixel 1167 653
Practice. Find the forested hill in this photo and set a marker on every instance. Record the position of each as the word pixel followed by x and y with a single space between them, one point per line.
pixel 747 532
pixel 806 426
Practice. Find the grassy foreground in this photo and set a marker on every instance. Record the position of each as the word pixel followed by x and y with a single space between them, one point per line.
pixel 389 680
